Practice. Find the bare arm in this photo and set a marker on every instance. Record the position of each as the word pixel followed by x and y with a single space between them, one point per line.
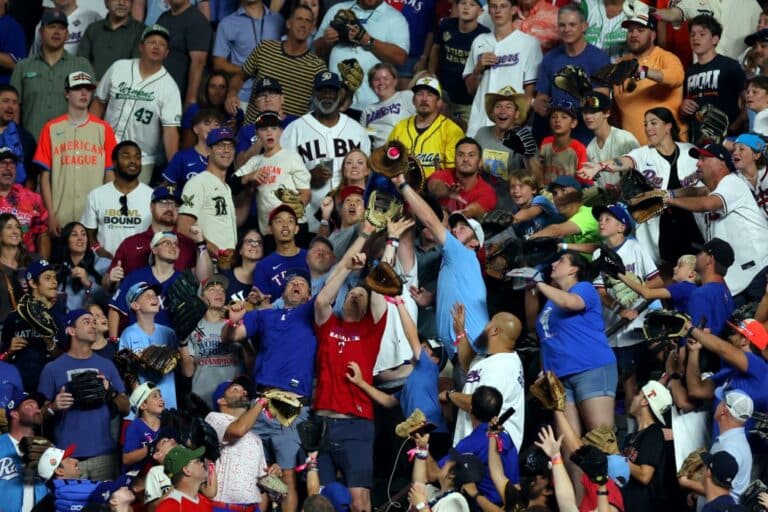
pixel 697 388
pixel 187 362
pixel 354 376
pixel 170 141
pixel 644 291
pixel 97 106
pixel 643 473
pixel 197 64
pixel 421 210
pixel 559 230
pixel 708 203
pixel 734 356
pixel 244 423
pixel 563 299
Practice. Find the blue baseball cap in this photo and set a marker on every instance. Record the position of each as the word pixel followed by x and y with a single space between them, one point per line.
pixel 135 291
pixel 617 210
pixel 18 397
pixel 219 135
pixel 338 495
pixel 54 16
pixel 298 272
pixel 104 490
pixel 752 140
pixel 760 35
pixel 222 388
pixel 74 315
pixel 37 268
pixel 618 469
pixel 564 182
pixel 167 192
pixel 327 79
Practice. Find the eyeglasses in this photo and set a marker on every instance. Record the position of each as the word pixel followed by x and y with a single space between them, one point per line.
pixel 168 203
pixel 254 242
pixel 124 205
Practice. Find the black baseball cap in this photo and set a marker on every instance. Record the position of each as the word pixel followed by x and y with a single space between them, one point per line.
pixel 268 118
pixel 718 249
pixel 327 79
pixel 760 35
pixel 713 151
pixel 267 83
pixel 54 16
pixel 595 101
pixel 723 467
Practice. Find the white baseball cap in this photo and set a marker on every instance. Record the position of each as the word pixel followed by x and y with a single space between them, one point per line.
pixel 140 395
pixel 738 403
pixel 51 459
pixel 659 399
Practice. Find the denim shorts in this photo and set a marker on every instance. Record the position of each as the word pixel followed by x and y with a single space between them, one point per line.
pixel 350 452
pixel 600 381
pixel 281 444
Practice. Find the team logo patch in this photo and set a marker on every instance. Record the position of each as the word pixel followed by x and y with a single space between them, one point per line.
pixel 188 200
pixel 446 36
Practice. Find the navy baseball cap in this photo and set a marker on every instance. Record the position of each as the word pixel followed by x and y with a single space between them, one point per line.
pixel 565 181
pixel 713 151
pixel 6 152
pixel 135 291
pixel 267 84
pixel 74 315
pixel 617 210
pixel 103 492
pixel 219 135
pixel 718 249
pixel 167 192
pixel 222 388
pixel 18 397
pixel 760 35
pixel 327 79
pixel 37 268
pixel 298 272
pixel 54 16
pixel 723 467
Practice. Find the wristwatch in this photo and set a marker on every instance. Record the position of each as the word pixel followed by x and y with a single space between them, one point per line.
pixel 369 44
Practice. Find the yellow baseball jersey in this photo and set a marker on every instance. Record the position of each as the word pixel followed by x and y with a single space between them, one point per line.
pixel 434 147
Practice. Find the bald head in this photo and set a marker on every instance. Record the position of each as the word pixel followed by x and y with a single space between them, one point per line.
pixel 509 328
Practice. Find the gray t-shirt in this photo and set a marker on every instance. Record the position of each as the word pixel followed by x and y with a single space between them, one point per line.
pixel 498 162
pixel 190 32
pixel 216 363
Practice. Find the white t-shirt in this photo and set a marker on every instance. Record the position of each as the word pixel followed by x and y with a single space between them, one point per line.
pixel 742 224
pixel 317 143
pixel 760 124
pixel 519 57
pixel 504 372
pixel 618 143
pixel 240 465
pixel 395 348
pixel 209 200
pixel 656 170
pixel 102 212
pixel 78 21
pixel 638 261
pixel 286 169
pixel 381 117
pixel 138 108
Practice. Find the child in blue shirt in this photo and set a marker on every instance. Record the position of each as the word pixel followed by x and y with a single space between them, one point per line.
pixel 684 276
pixel 148 404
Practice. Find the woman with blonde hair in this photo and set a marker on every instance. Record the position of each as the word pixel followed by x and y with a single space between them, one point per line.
pixel 393 105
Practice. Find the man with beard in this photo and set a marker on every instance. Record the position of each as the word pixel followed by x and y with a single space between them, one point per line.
pixel 120 208
pixel 323 138
pixel 463 189
pixel 285 361
pixel 16 137
pixel 133 253
pixel 659 79
pixel 24 418
pixel 75 152
pixel 207 199
pixel 242 462
pixel 501 370
pixel 429 136
pixel 28 350
pixel 25 204
pixel 89 430
pixel 354 336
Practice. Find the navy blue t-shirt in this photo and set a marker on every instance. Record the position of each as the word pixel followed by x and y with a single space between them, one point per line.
pixel 454 52
pixel 185 164
pixel 269 276
pixel 286 344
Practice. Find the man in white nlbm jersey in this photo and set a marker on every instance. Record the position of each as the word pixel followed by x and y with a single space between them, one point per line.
pixel 505 57
pixel 141 101
pixel 323 137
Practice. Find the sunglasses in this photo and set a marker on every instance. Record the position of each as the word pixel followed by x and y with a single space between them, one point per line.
pixel 124 205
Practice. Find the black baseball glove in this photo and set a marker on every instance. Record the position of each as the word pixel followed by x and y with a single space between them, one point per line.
pixel 313 434
pixel 521 141
pixel 159 359
pixel 616 74
pixel 341 22
pixel 128 366
pixel 713 125
pixel 184 305
pixel 540 250
pixel 573 80
pixel 202 434
pixel 609 263
pixel 593 462
pixel 633 184
pixel 87 389
pixel 665 324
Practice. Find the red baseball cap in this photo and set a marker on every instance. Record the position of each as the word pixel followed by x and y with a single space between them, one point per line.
pixel 753 330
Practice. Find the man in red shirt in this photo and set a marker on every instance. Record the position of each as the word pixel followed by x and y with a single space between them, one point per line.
pixel 463 189
pixel 348 411
pixel 188 472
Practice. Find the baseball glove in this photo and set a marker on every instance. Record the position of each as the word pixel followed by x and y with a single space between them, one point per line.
pixel 593 462
pixel 32 447
pixel 38 316
pixel 549 391
pixel 274 486
pixel 381 207
pixel 603 438
pixel 128 366
pixel 503 258
pixel 202 434
pixel 749 498
pixel 633 184
pixel 284 406
pixel 185 306
pixel 352 74
pixel 313 434
pixel 693 467
pixel 537 251
pixel 634 7
pixel 498 218
pixel 159 359
pixel 665 324
pixel 411 423
pixel 390 160
pixel 609 263
pixel 341 22
pixel 573 80
pixel 647 205
pixel 415 176
pixel 625 295
pixel 713 125
pixel 617 74
pixel 384 280
pixel 759 427
pixel 291 198
pixel 3 422
pixel 521 141
pixel 87 389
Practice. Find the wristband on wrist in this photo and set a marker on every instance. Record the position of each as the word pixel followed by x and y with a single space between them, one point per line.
pixel 397 301
pixel 230 323
pixel 96 246
pixel 462 334
pixel 394 242
pixel 402 186
pixel 113 339
pixel 364 234
pixel 557 459
pixel 324 222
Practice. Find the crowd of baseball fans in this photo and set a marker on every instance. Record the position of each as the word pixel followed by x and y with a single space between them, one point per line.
pixel 357 255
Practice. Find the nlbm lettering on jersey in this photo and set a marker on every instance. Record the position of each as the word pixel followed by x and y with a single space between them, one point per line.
pixel 313 150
